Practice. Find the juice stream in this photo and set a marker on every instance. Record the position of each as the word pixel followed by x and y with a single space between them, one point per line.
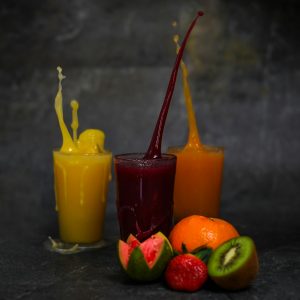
pixel 194 141
pixel 154 150
pixel 68 144
pixel 90 141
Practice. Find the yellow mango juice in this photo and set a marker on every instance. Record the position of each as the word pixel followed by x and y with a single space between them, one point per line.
pixel 81 182
pixel 82 170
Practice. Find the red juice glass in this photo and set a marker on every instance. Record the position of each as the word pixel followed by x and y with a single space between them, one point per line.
pixel 144 194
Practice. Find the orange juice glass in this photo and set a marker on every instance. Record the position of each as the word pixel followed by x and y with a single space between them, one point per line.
pixel 199 167
pixel 198 181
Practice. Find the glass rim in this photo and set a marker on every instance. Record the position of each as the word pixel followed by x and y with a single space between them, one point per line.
pixel 107 152
pixel 138 156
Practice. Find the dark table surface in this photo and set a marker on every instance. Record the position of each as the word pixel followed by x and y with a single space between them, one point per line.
pixel 28 271
pixel 244 73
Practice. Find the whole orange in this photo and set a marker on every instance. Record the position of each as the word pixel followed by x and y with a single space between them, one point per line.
pixel 196 231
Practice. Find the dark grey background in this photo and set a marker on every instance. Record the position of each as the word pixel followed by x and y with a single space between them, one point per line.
pixel 117 55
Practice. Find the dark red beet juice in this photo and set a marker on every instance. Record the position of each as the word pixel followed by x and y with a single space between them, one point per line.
pixel 145 182
pixel 145 194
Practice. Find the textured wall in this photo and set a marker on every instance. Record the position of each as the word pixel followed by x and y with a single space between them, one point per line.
pixel 117 55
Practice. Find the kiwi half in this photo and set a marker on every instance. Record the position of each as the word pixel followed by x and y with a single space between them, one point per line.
pixel 234 264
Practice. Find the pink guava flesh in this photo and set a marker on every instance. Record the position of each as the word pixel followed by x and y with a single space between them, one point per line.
pixel 124 253
pixel 125 249
pixel 151 249
pixel 132 241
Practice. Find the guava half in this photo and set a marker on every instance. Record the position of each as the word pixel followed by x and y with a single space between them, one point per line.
pixel 145 261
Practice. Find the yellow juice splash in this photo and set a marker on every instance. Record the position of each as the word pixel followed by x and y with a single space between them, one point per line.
pixel 82 170
pixel 199 167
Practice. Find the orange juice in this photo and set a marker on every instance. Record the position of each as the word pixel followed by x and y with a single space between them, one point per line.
pixel 198 181
pixel 199 168
pixel 81 174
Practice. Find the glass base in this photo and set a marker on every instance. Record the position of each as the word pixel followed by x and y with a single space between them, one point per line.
pixel 58 246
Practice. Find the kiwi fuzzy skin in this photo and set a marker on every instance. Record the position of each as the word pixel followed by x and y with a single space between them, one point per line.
pixel 240 278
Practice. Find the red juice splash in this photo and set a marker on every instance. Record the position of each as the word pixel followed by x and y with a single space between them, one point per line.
pixel 154 150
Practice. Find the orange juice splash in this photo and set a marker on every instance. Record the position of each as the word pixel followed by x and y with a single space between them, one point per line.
pixel 75 124
pixel 194 141
pixel 90 141
pixel 68 144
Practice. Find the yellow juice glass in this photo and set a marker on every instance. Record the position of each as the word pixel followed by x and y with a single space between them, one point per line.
pixel 81 183
pixel 82 171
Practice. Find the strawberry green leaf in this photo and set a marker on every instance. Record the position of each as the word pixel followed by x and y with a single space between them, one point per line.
pixel 203 254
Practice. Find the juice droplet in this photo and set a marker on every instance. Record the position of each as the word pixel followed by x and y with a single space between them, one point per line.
pixel 68 145
pixel 154 150
pixel 75 124
pixel 193 139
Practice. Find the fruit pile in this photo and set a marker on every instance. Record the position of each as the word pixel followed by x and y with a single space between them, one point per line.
pixel 198 248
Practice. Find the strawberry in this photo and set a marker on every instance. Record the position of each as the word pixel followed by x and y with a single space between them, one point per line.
pixel 186 272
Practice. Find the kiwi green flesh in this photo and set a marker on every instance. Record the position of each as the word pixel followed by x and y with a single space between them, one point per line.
pixel 239 272
pixel 231 256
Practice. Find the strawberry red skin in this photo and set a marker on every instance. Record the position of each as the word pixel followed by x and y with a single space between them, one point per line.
pixel 186 272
